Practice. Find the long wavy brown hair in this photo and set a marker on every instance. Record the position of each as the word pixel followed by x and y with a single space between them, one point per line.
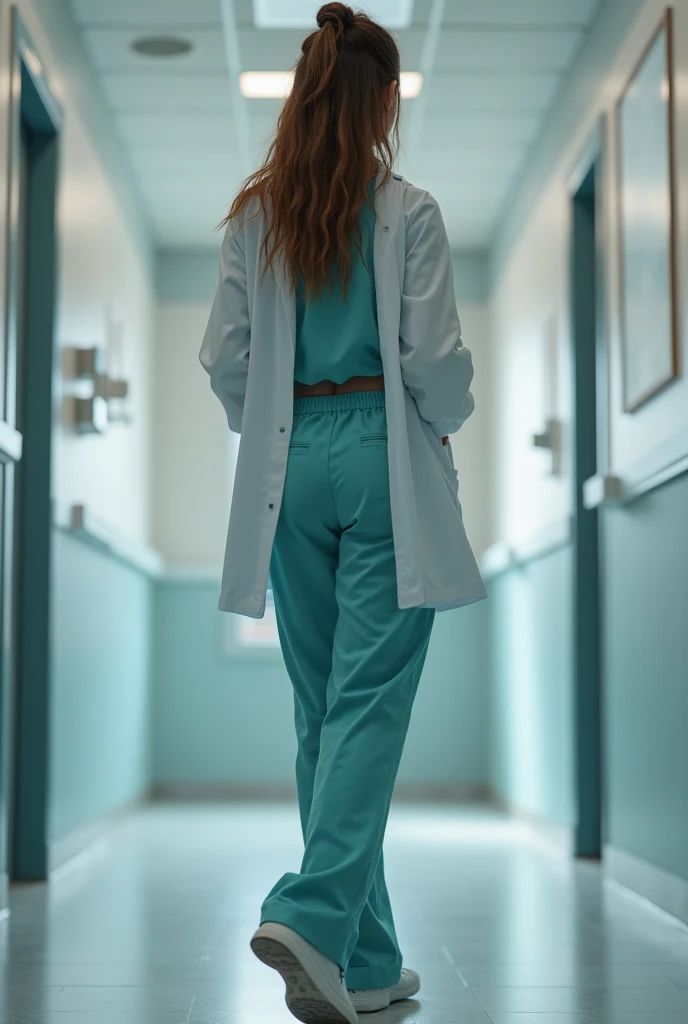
pixel 333 133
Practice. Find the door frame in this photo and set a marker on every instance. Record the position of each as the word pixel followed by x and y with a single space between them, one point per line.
pixel 587 604
pixel 26 607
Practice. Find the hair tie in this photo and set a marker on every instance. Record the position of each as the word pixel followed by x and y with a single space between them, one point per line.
pixel 338 15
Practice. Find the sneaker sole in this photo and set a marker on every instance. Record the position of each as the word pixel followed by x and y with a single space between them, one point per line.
pixel 383 1001
pixel 371 1005
pixel 303 997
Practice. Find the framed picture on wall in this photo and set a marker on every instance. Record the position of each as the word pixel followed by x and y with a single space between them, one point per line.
pixel 647 223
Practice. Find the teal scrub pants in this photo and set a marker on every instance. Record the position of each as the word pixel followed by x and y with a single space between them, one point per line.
pixel 355 659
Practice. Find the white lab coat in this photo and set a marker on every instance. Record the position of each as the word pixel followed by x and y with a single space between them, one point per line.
pixel 248 351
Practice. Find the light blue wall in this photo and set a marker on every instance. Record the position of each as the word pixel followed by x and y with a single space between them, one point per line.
pixel 99 721
pixel 216 721
pixel 221 721
pixel 448 741
pixel 531 721
pixel 646 677
pixel 644 589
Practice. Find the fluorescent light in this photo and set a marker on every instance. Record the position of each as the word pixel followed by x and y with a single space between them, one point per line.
pixel 265 85
pixel 411 84
pixel 301 13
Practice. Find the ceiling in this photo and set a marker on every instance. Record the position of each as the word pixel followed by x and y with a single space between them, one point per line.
pixel 492 71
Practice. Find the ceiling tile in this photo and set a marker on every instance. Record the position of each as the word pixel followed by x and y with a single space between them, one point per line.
pixel 499 13
pixel 178 93
pixel 499 67
pixel 526 50
pixel 154 129
pixel 451 93
pixel 269 49
pixel 170 13
pixel 188 163
pixel 469 130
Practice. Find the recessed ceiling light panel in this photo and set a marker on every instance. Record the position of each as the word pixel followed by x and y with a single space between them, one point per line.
pixel 301 13
pixel 411 84
pixel 162 46
pixel 264 85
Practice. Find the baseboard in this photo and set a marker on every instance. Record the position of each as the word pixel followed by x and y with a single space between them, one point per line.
pixel 208 792
pixel 667 891
pixel 78 843
pixel 404 792
pixel 503 557
pixel 558 838
pixel 441 792
pixel 4 894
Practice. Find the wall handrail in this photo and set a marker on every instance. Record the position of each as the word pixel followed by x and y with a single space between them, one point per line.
pixel 82 524
pixel 504 556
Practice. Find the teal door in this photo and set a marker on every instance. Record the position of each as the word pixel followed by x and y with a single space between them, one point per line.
pixel 589 361
pixel 10 453
pixel 26 427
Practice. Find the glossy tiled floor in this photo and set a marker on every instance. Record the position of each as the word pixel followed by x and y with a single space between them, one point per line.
pixel 153 928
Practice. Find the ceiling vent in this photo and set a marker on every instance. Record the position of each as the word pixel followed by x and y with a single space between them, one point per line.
pixel 162 46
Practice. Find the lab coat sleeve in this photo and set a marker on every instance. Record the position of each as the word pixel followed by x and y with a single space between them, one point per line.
pixel 436 367
pixel 225 349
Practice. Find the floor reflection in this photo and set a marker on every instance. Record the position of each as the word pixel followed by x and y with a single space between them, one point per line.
pixel 152 927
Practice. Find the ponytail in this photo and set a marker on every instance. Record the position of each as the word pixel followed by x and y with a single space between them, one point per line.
pixel 332 136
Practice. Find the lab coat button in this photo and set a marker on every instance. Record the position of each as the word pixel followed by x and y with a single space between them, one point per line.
pixel 386 228
pixel 281 430
pixel 271 505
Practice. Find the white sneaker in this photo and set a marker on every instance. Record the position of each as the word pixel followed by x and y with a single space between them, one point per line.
pixel 316 991
pixel 365 1000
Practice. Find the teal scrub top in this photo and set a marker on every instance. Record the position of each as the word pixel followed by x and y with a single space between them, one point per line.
pixel 338 338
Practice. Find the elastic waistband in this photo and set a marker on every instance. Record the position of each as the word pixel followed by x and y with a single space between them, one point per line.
pixel 339 403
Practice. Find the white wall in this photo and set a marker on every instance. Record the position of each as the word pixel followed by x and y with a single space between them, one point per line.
pixel 471 446
pixel 191 474
pixel 105 279
pixel 528 307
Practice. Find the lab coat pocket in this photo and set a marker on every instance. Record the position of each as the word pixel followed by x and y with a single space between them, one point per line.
pixel 433 470
pixel 441 456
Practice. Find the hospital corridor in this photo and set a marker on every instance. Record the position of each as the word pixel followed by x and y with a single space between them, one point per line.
pixel 406 740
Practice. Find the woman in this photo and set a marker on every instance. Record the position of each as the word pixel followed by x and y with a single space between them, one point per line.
pixel 335 348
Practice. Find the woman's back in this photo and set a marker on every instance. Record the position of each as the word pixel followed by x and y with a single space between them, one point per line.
pixel 321 294
pixel 337 334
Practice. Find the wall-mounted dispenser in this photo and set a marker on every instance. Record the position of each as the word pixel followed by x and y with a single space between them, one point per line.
pixel 98 398
pixel 91 415
pixel 89 363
